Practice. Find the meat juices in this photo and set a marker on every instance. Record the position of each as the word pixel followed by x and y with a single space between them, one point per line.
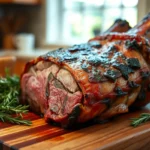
pixel 101 78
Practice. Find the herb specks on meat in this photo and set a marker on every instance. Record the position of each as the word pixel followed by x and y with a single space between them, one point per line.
pixel 96 76
pixel 124 69
pixel 112 74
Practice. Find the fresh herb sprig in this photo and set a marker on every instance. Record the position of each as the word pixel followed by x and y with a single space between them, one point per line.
pixel 144 117
pixel 10 108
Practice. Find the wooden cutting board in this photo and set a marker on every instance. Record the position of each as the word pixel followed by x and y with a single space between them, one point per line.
pixel 114 135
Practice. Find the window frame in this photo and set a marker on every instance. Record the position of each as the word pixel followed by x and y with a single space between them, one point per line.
pixel 54 36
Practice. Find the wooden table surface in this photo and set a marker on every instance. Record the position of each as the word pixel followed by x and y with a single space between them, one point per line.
pixel 114 135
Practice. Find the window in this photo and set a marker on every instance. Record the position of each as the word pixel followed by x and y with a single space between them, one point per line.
pixel 76 21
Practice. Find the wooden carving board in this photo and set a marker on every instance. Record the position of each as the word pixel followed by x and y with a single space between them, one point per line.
pixel 114 135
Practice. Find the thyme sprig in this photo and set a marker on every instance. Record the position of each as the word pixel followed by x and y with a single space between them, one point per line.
pixel 10 108
pixel 144 117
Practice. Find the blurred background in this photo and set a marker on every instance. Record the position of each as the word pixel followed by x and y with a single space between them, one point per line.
pixel 48 24
pixel 29 28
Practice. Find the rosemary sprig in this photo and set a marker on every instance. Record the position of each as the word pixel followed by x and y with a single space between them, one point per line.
pixel 144 117
pixel 9 101
pixel 16 120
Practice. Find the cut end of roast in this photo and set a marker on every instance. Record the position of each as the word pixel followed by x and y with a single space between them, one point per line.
pixel 51 90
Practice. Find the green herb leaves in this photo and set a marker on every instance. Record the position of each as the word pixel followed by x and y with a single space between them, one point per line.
pixel 10 108
pixel 144 117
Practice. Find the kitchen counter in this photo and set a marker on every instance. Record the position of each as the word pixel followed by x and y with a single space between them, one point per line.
pixel 114 135
pixel 22 58
pixel 24 54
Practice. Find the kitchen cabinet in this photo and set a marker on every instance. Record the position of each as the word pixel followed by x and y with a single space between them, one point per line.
pixel 28 2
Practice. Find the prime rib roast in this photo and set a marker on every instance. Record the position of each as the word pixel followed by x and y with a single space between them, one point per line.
pixel 98 79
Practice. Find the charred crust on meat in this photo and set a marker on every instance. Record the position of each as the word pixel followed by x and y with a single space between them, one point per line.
pixel 123 23
pixel 132 45
pixel 142 94
pixel 80 47
pixel 112 74
pixel 133 63
pixel 120 92
pixel 113 48
pixel 69 58
pixel 85 66
pixel 106 101
pixel 118 20
pixel 132 84
pixel 96 76
pixel 74 115
pixel 124 69
pixel 144 74
pixel 94 60
pixel 59 49
pixel 95 44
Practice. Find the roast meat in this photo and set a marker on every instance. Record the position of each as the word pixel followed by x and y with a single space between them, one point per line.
pixel 100 79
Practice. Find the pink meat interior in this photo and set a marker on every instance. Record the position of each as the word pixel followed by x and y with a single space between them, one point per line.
pixel 50 90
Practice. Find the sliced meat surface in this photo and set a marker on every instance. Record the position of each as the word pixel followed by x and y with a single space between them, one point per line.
pixel 67 80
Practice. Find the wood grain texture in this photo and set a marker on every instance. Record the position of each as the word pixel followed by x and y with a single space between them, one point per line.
pixel 114 135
